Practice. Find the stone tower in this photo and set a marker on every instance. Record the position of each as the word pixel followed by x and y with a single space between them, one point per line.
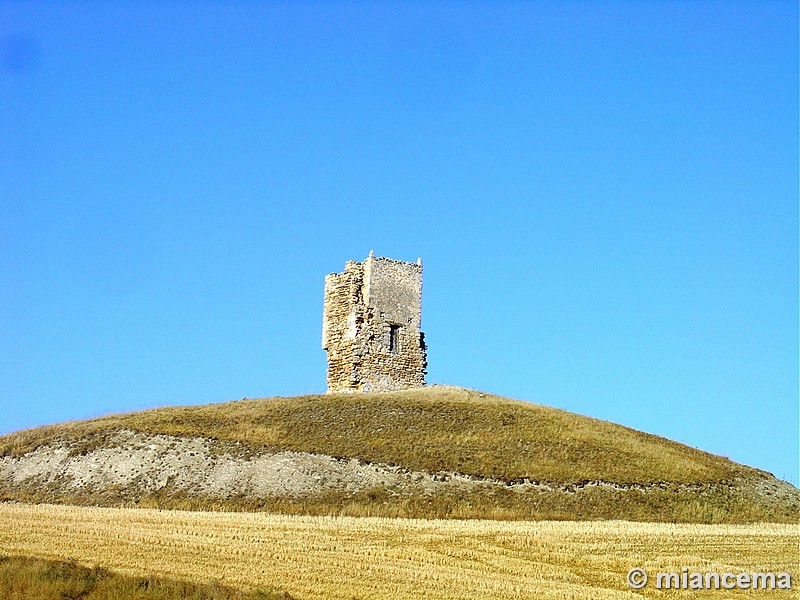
pixel 371 326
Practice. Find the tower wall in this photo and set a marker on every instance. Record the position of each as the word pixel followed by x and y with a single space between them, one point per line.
pixel 371 326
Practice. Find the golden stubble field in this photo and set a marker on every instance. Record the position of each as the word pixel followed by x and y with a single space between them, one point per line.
pixel 347 557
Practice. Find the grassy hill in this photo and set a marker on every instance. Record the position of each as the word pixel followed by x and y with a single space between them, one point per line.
pixel 450 452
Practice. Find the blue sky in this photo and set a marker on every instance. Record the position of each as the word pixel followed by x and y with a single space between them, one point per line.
pixel 604 195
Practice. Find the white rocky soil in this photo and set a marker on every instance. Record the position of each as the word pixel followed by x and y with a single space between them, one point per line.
pixel 145 463
pixel 132 465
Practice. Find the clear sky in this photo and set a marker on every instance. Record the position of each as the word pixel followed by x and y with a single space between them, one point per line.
pixel 604 195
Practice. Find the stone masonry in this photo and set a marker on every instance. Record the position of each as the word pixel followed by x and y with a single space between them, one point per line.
pixel 371 326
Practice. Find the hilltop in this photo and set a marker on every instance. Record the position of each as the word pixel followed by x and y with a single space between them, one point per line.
pixel 430 452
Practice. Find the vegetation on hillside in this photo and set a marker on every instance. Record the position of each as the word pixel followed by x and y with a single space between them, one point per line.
pixel 590 469
pixel 436 429
pixel 26 578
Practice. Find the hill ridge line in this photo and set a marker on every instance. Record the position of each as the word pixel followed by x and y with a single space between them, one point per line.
pixel 441 452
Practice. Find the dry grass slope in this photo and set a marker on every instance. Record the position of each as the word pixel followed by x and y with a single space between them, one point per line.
pixel 446 430
pixel 436 429
pixel 24 578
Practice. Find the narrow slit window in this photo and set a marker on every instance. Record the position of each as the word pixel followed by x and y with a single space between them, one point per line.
pixel 394 338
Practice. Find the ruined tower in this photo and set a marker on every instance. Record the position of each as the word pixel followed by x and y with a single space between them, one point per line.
pixel 371 326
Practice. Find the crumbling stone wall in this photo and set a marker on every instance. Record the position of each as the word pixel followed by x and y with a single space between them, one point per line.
pixel 371 326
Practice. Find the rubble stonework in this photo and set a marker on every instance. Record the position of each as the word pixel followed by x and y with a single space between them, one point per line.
pixel 371 326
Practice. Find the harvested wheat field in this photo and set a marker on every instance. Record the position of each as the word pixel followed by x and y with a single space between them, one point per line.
pixel 346 557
